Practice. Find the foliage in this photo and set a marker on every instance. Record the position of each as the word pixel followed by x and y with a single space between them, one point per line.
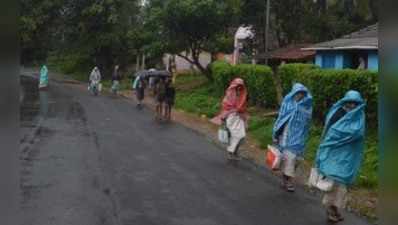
pixel 95 31
pixel 196 95
pixel 288 72
pixel 307 21
pixel 192 26
pixel 70 63
pixel 38 24
pixel 328 86
pixel 258 78
pixel 261 129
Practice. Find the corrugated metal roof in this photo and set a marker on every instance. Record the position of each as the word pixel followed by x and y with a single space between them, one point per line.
pixel 366 38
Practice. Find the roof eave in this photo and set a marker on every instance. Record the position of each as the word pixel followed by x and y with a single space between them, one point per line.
pixel 341 48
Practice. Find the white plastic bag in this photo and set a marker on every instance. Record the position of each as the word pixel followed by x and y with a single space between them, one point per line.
pixel 314 177
pixel 273 157
pixel 325 184
pixel 223 135
pixel 319 181
pixel 100 87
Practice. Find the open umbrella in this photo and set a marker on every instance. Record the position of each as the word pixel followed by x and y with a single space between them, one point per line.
pixel 153 73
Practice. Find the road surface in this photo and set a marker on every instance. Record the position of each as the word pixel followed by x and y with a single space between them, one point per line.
pixel 89 160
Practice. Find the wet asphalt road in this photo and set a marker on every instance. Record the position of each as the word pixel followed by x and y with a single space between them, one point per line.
pixel 99 161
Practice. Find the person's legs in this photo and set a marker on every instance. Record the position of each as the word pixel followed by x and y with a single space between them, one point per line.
pixel 236 127
pixel 161 109
pixel 157 110
pixel 288 170
pixel 334 201
pixel 169 108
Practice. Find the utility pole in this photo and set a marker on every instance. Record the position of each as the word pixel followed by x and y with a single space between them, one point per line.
pixel 267 31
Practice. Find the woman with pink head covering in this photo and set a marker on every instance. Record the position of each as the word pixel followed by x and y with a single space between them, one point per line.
pixel 233 115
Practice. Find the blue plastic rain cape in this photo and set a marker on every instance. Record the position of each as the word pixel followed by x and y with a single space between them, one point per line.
pixel 340 152
pixel 296 116
pixel 43 76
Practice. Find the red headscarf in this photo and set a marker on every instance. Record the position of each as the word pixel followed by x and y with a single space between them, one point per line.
pixel 233 103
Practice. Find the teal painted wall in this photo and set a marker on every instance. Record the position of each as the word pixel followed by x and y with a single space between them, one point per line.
pixel 373 61
pixel 339 60
pixel 318 60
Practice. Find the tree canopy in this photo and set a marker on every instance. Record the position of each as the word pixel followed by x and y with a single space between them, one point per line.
pixel 107 32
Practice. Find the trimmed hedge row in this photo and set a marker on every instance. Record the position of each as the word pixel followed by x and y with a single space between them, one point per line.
pixel 258 78
pixel 328 86
pixel 288 74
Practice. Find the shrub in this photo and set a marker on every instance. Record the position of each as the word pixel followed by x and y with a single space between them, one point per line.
pixel 70 63
pixel 328 86
pixel 288 72
pixel 258 78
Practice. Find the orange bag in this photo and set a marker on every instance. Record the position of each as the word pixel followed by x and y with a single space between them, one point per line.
pixel 273 157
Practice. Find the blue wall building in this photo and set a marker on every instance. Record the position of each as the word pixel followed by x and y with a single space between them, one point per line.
pixel 358 50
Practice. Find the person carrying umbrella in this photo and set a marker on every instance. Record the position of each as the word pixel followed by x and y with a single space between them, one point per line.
pixel 139 87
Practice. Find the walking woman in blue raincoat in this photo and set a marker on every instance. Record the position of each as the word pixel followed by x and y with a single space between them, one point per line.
pixel 340 151
pixel 43 77
pixel 291 130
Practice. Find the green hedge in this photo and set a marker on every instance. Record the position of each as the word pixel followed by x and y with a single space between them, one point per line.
pixel 258 78
pixel 288 72
pixel 328 86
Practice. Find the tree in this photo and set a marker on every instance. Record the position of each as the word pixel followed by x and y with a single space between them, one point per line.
pixel 193 27
pixel 37 23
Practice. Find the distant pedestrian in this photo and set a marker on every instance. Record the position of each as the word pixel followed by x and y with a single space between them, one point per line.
pixel 233 115
pixel 94 80
pixel 160 95
pixel 43 77
pixel 116 78
pixel 139 86
pixel 291 130
pixel 362 64
pixel 341 150
pixel 169 98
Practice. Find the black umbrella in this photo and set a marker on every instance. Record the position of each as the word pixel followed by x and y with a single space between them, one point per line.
pixel 153 73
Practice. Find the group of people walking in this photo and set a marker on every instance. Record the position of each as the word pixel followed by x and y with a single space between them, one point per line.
pixel 342 142
pixel 163 89
pixel 164 93
pixel 94 84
